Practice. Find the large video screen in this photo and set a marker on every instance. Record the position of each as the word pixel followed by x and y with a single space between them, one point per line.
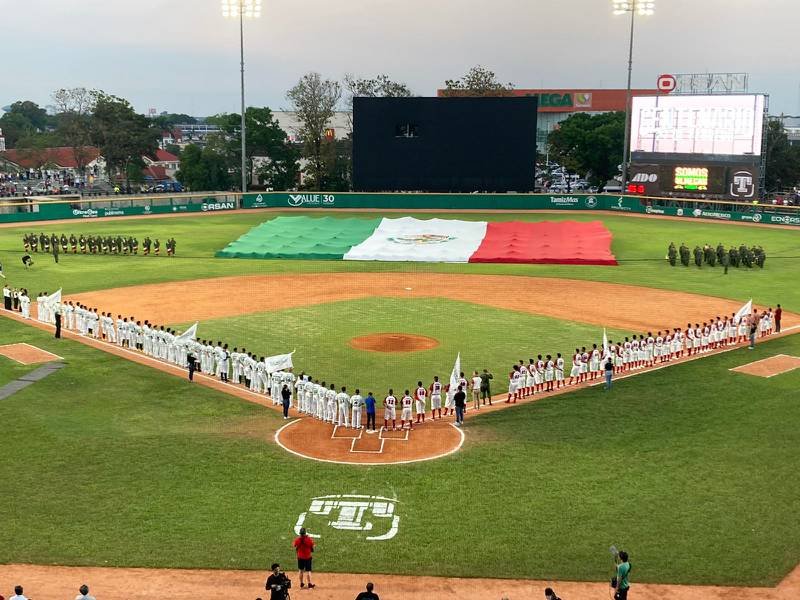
pixel 444 144
pixel 722 125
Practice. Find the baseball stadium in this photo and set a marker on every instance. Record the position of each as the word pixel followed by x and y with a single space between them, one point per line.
pixel 119 468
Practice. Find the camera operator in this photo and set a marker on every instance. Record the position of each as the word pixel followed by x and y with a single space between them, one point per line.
pixel 278 584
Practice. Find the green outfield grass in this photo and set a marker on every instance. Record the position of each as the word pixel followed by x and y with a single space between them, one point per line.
pixel 639 244
pixel 692 469
pixel 486 338
pixel 11 369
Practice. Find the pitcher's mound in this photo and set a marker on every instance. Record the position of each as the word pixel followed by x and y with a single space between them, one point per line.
pixel 393 342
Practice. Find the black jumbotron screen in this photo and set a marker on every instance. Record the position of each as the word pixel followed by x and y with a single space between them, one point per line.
pixel 444 144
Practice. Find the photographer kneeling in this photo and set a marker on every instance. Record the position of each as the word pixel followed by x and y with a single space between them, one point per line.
pixel 278 584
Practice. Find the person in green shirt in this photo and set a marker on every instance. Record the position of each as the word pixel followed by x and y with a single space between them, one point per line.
pixel 623 571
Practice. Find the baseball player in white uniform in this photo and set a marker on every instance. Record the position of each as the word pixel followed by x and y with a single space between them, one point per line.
pixel 405 415
pixel 343 400
pixel 421 396
pixel 575 371
pixel 357 407
pixel 390 410
pixel 330 401
pixel 436 397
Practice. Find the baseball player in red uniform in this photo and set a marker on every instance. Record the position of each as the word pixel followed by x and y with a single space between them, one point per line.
pixel 390 410
pixel 405 415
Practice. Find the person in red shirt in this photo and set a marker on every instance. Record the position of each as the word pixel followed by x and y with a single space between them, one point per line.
pixel 778 315
pixel 304 546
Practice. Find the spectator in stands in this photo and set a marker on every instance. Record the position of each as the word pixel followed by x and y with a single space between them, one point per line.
pixel 18 593
pixel 369 594
pixel 84 593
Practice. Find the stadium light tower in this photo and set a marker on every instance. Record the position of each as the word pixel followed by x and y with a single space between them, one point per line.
pixel 242 9
pixel 643 8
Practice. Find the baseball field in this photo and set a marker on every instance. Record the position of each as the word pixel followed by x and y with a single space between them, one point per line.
pixel 691 468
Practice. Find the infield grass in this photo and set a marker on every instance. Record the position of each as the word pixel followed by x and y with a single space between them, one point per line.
pixel 692 469
pixel 486 338
pixel 639 244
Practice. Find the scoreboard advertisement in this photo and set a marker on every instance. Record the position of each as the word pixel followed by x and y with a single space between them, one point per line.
pixel 683 179
pixel 697 146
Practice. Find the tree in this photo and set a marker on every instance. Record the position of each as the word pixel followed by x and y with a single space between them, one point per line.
pixel 314 102
pixel 122 135
pixel 168 120
pixel 23 118
pixel 265 140
pixel 204 168
pixel 376 87
pixel 33 149
pixel 74 121
pixel 783 159
pixel 590 144
pixel 478 81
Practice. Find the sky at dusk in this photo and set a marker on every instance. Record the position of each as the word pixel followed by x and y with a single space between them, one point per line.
pixel 182 56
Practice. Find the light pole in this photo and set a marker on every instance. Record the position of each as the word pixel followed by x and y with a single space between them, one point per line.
pixel 243 9
pixel 643 8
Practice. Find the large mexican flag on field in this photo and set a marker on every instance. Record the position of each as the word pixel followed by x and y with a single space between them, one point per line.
pixel 408 239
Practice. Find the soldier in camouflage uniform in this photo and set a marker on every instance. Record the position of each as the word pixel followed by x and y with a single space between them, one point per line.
pixel 685 254
pixel 698 256
pixel 672 254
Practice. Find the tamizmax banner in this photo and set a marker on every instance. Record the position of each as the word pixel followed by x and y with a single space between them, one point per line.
pixel 730 125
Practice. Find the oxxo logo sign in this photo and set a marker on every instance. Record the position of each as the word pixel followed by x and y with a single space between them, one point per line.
pixel 311 199
pixel 207 206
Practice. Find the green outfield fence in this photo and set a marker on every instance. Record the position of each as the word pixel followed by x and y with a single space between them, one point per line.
pixel 39 209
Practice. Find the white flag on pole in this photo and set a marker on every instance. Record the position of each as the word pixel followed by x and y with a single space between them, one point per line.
pixel 54 298
pixel 606 354
pixel 279 362
pixel 455 375
pixel 743 312
pixel 189 335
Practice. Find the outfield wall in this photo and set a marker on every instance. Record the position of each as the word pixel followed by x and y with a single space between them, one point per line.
pixel 36 209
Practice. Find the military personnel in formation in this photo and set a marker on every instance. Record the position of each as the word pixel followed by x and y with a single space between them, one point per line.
pixel 26 242
pixel 146 243
pixel 53 240
pixel 734 254
pixel 672 254
pixel 135 245
pixel 82 242
pixel 44 242
pixel 64 243
pixel 712 257
pixel 118 244
pixel 725 260
pixel 760 256
pixel 684 252
pixel 720 252
pixel 698 256
pixel 34 241
pixel 156 247
pixel 171 247
pixel 73 242
pixel 747 257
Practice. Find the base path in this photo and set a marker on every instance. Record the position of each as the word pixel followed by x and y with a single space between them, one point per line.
pixel 626 307
pixel 50 582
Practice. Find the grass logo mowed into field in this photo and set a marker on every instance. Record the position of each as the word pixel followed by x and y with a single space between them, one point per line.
pixel 351 512
pixel 422 238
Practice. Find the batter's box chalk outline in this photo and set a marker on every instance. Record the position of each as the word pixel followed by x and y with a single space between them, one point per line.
pixel 740 368
pixel 354 451
pixel 346 437
pixel 54 356
pixel 402 439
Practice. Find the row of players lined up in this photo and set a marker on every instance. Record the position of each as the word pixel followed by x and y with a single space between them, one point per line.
pixel 95 244
pixel 546 374
pixel 322 401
